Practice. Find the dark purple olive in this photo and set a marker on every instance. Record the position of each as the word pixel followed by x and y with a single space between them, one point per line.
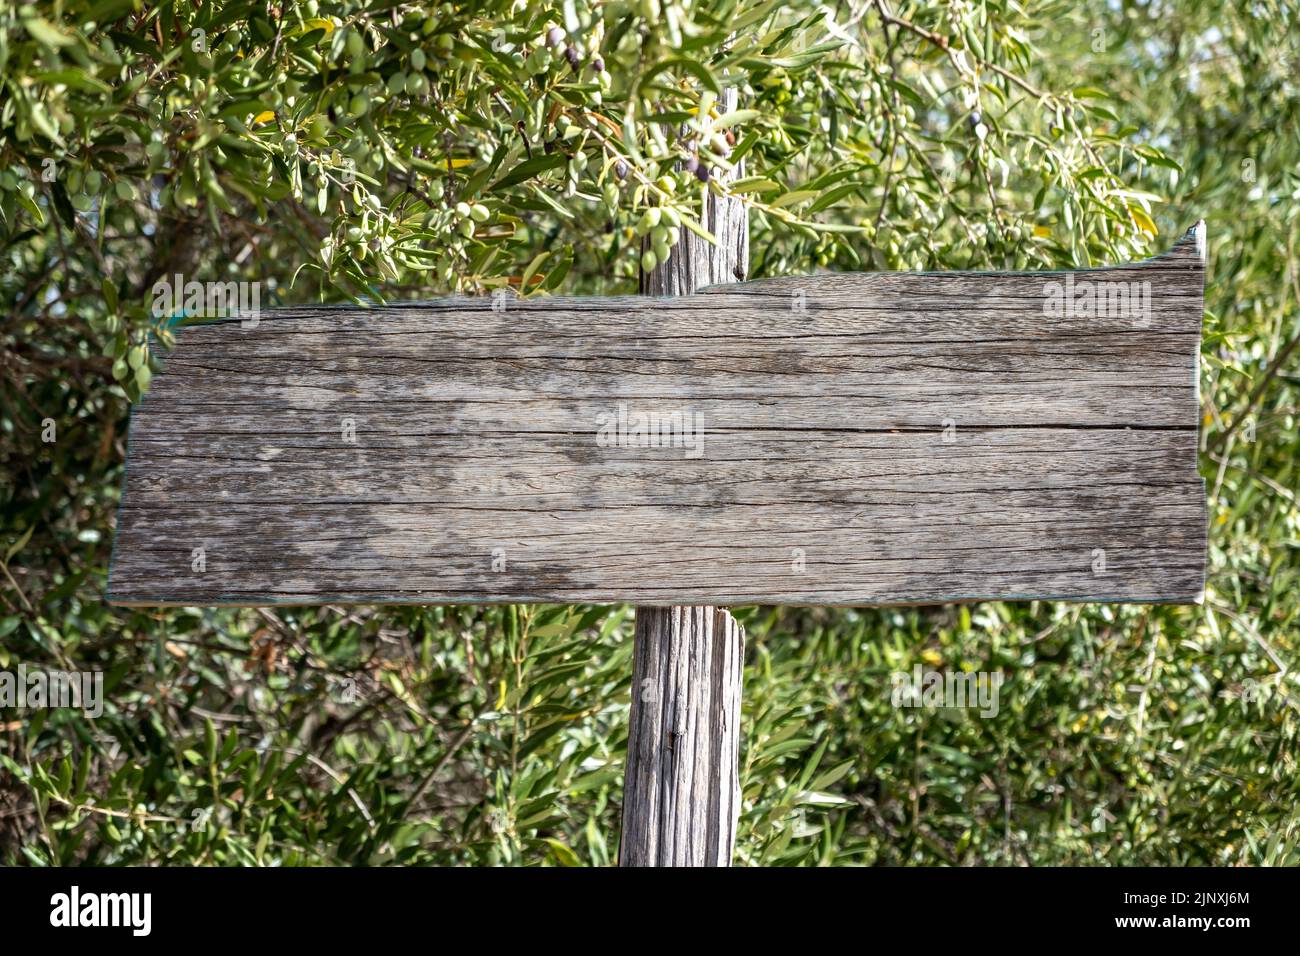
pixel 571 55
pixel 598 65
pixel 975 118
pixel 702 174
pixel 620 169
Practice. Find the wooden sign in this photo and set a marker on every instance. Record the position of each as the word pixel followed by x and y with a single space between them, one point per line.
pixel 838 439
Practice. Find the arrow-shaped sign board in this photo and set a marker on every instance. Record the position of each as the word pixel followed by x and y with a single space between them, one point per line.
pixel 838 439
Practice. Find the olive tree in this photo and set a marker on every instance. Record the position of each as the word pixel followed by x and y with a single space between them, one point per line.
pixel 370 150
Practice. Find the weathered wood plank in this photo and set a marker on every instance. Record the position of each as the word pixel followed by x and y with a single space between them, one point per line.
pixel 864 439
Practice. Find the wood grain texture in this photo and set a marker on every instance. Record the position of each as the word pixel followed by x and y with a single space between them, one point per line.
pixel 867 439
pixel 681 793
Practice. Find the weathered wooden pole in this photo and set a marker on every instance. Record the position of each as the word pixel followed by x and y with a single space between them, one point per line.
pixel 681 792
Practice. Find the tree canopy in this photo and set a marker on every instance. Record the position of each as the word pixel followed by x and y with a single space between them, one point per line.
pixel 371 150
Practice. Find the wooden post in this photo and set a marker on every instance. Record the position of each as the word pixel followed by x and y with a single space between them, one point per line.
pixel 681 794
pixel 681 791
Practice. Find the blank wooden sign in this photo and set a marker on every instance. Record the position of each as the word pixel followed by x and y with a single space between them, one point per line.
pixel 841 439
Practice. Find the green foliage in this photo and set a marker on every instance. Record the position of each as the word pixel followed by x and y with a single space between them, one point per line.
pixel 367 150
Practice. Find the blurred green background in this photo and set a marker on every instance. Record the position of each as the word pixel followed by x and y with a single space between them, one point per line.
pixel 378 150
